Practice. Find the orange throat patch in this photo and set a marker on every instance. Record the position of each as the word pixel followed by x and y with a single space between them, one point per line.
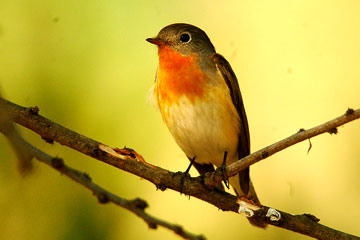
pixel 178 76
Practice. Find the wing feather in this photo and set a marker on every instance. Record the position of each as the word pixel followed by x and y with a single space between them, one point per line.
pixel 244 136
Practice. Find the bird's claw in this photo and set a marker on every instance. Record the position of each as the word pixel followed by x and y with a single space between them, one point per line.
pixel 222 170
pixel 182 180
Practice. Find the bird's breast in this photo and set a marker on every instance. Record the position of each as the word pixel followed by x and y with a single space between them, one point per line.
pixel 178 76
pixel 205 128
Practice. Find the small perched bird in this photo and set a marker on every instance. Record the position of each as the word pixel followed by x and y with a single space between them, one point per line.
pixel 199 99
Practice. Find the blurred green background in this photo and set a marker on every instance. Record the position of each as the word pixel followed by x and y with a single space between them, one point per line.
pixel 87 66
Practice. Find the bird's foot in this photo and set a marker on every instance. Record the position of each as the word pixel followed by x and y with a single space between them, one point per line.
pixel 186 174
pixel 222 170
pixel 182 180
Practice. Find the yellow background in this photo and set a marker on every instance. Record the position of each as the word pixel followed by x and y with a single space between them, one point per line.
pixel 87 66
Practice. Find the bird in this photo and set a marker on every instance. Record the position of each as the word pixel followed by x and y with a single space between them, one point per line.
pixel 199 98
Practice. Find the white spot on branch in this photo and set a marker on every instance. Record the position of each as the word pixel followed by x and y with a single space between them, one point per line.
pixel 273 214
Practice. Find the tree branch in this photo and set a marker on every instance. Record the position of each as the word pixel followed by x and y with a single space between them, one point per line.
pixel 23 156
pixel 136 206
pixel 331 126
pixel 129 161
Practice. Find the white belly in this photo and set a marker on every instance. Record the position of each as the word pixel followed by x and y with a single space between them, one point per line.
pixel 206 128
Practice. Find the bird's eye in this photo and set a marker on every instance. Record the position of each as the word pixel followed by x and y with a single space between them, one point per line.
pixel 185 37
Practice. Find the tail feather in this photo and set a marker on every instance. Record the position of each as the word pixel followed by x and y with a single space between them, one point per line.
pixel 251 195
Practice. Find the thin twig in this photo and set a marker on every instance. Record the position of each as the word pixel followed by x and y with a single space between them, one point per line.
pixel 304 224
pixel 137 206
pixel 328 127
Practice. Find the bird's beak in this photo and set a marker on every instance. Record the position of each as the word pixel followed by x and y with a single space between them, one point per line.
pixel 156 41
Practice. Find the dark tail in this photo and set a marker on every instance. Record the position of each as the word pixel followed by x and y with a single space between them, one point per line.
pixel 252 196
pixel 244 188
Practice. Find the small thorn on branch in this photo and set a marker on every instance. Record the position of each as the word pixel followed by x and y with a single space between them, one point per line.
pixel 139 203
pixel 264 154
pixel 178 229
pixel 34 110
pixel 312 217
pixel 152 225
pixel 333 131
pixel 57 163
pixel 48 140
pixel 349 111
pixel 301 130
pixel 87 176
pixel 160 187
pixel 102 198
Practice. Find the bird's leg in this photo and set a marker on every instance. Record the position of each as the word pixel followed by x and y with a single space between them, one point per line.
pixel 186 173
pixel 192 160
pixel 222 169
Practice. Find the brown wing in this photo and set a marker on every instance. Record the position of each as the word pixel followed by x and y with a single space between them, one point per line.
pixel 244 137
